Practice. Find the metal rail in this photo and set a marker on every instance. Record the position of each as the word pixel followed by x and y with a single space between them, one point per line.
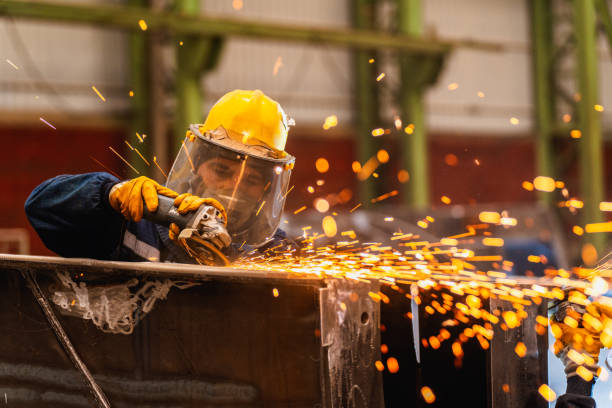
pixel 128 17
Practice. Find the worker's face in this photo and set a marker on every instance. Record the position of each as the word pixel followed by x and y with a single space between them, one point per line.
pixel 238 186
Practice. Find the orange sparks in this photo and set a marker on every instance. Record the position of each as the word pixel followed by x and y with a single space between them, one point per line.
pixel 260 207
pixel 275 292
pixel 384 348
pixel 329 226
pixel 98 92
pixel 605 206
pixel 288 191
pixel 322 165
pixel 511 319
pixel 392 365
pixel 403 176
pixel 382 156
pixel 142 24
pixel 299 210
pixel 330 122
pixel 428 395
pixel 378 132
pixel 107 169
pixel 543 183
pixel 355 207
pixel 494 242
pixel 367 169
pixel 453 86
pixel 142 157
pixel 445 199
pixel 321 205
pixel 160 169
pixel 277 65
pixel 380 77
pixel 547 393
pixel 527 185
pixel 188 156
pixel 514 121
pixel 125 161
pixel 520 349
pixel 598 108
pixel 575 134
pixel 385 196
pixel 598 227
pixel 379 365
pixel 451 159
pixel 139 137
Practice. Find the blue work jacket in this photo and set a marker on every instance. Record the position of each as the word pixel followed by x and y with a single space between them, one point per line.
pixel 73 217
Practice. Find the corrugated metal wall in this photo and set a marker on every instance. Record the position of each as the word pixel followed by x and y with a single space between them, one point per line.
pixel 58 64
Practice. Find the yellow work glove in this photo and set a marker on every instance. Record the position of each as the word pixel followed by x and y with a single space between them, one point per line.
pixel 578 343
pixel 130 196
pixel 187 202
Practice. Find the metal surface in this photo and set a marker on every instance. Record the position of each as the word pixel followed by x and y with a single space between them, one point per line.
pixel 543 85
pixel 523 375
pixel 350 334
pixel 589 119
pixel 62 337
pixel 128 17
pixel 228 340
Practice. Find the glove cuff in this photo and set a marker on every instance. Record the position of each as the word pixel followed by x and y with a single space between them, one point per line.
pixel 576 385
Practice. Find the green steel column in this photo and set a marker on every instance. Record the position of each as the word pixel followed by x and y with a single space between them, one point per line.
pixel 414 146
pixel 139 84
pixel 366 99
pixel 189 95
pixel 589 120
pixel 542 41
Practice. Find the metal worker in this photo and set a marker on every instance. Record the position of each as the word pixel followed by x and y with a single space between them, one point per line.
pixel 581 327
pixel 234 162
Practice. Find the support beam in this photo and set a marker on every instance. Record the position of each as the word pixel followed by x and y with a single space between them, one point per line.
pixel 589 120
pixel 366 99
pixel 414 146
pixel 543 86
pixel 128 17
pixel 140 101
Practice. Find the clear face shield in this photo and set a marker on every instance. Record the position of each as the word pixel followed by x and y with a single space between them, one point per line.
pixel 250 182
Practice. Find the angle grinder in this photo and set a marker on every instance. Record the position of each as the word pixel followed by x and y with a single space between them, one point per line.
pixel 202 233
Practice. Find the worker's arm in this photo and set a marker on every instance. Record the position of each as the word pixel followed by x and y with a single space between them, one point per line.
pixel 73 217
pixel 577 394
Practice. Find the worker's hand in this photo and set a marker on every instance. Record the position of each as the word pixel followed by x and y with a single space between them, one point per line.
pixel 187 202
pixel 129 197
pixel 577 331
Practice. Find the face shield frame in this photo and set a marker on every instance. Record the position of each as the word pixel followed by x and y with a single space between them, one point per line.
pixel 258 182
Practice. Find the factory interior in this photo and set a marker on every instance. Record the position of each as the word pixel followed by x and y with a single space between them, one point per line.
pixel 420 213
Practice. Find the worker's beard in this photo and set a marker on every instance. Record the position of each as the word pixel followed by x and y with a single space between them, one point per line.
pixel 240 211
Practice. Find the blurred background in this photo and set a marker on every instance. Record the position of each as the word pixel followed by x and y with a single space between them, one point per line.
pixel 407 109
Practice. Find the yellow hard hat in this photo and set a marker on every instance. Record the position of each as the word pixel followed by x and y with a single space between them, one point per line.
pixel 251 118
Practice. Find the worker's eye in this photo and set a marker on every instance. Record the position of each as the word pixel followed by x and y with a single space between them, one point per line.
pixel 221 170
pixel 254 180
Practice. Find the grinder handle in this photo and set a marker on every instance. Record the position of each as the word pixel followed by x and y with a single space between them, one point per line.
pixel 167 213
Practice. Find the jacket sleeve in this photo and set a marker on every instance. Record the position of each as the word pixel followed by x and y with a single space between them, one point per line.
pixel 577 394
pixel 72 216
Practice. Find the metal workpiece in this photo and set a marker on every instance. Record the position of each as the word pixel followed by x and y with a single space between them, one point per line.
pixel 350 337
pixel 233 337
pixel 514 380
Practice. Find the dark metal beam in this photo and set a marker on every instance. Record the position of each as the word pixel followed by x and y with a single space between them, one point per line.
pixel 181 23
